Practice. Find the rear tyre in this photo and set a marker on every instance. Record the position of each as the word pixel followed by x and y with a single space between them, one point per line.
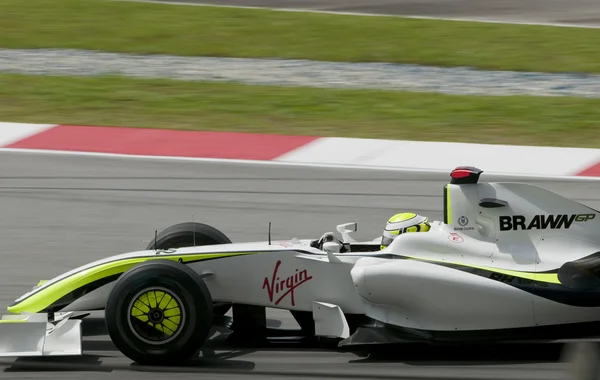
pixel 159 313
pixel 189 234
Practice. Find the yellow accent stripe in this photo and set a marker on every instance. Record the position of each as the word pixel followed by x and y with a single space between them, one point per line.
pixel 551 278
pixel 46 297
pixel 448 204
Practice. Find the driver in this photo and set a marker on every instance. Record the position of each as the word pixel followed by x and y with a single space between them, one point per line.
pixel 403 223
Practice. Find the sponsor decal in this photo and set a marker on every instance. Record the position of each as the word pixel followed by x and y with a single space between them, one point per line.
pixel 541 222
pixel 279 287
pixel 463 221
pixel 464 228
pixel 456 238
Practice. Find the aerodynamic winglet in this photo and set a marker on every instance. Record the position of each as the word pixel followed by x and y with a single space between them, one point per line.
pixel 492 203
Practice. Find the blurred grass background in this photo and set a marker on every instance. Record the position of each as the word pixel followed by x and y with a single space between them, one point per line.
pixel 119 26
pixel 225 32
pixel 170 104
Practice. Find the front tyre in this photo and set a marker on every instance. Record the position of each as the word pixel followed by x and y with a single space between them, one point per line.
pixel 159 313
pixel 188 234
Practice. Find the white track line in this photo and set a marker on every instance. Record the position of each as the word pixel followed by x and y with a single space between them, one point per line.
pixel 289 164
pixel 479 20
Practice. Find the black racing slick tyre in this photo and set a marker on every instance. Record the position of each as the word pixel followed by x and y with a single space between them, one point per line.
pixel 189 234
pixel 159 313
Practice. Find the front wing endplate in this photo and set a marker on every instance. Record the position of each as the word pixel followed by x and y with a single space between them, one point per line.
pixel 33 335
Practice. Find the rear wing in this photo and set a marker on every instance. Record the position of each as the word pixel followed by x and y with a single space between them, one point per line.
pixel 499 211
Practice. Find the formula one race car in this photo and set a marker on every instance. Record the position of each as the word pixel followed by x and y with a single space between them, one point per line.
pixel 509 262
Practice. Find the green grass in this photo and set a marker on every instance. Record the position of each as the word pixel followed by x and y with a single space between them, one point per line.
pixel 156 28
pixel 116 101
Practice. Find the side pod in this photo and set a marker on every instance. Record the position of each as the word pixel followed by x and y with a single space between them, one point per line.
pixel 33 335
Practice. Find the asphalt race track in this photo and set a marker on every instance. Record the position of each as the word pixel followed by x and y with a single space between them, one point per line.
pixel 577 12
pixel 59 212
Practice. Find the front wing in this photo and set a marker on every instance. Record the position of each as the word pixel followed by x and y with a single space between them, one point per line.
pixel 33 335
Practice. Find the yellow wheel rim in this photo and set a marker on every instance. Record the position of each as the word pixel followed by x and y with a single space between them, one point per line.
pixel 156 315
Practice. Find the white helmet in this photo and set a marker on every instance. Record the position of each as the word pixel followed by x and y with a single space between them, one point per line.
pixel 403 223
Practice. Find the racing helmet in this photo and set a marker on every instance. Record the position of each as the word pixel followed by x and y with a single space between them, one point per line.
pixel 403 223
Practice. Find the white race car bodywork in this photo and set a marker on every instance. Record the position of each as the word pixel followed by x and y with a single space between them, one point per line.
pixel 501 260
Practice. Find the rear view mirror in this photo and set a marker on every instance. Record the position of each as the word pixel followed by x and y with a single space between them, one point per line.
pixel 345 230
pixel 347 227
